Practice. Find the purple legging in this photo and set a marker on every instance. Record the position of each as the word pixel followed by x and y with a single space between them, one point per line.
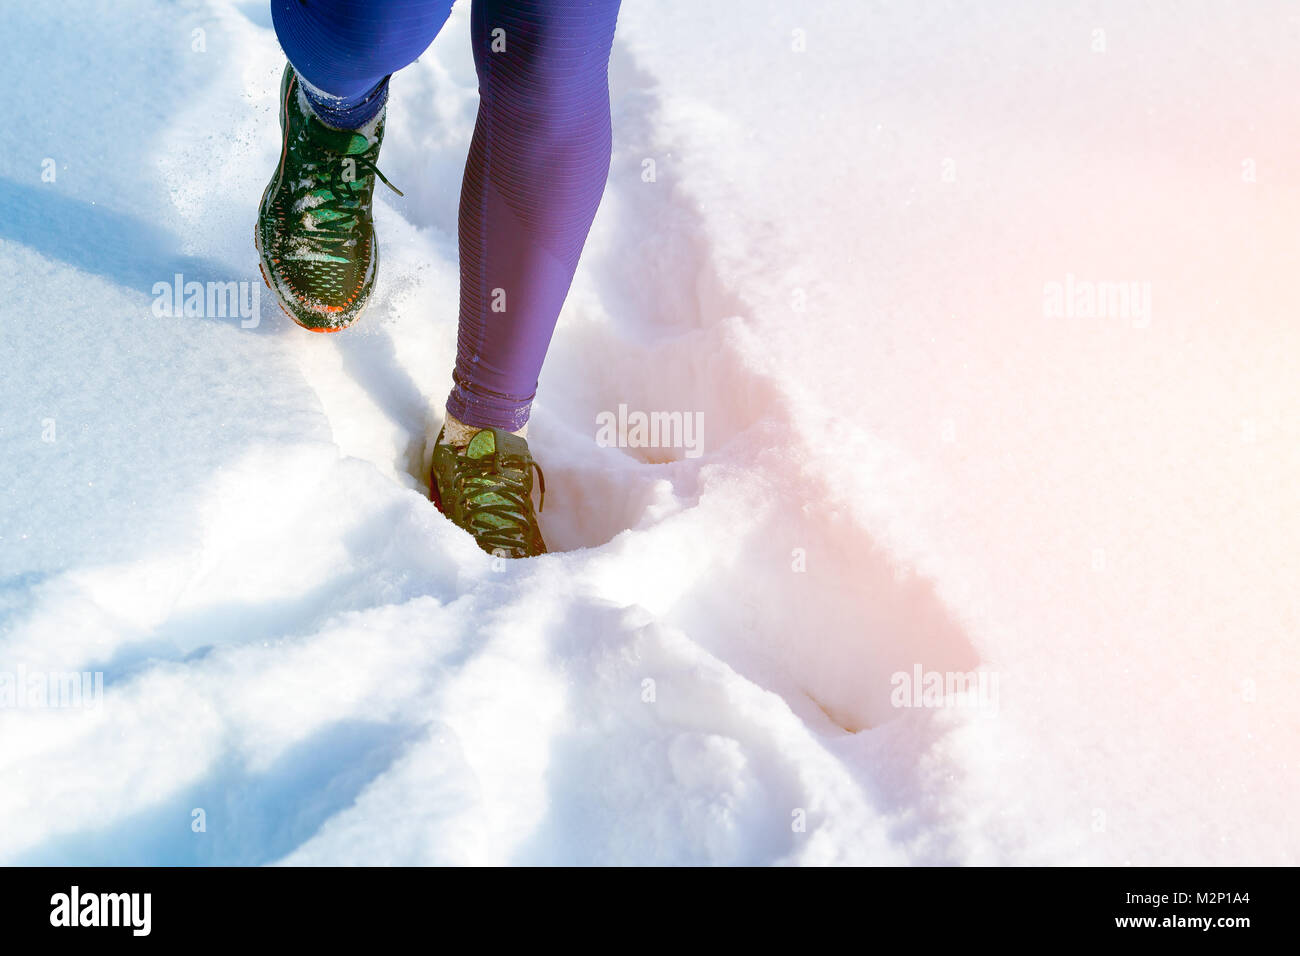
pixel 536 169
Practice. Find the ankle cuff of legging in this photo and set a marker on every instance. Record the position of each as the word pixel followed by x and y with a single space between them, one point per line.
pixel 345 112
pixel 488 412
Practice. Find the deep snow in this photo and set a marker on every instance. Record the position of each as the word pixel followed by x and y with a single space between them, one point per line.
pixel 841 264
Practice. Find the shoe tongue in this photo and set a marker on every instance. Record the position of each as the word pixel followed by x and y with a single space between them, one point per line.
pixel 347 142
pixel 482 444
pixel 357 145
pixel 494 441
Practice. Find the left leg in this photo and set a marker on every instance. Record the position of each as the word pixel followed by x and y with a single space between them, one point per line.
pixel 536 173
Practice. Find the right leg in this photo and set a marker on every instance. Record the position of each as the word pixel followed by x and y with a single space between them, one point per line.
pixel 315 231
pixel 345 50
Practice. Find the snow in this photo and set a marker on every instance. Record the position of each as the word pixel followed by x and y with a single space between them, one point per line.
pixel 908 461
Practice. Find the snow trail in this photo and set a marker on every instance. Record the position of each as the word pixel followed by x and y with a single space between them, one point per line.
pixel 231 523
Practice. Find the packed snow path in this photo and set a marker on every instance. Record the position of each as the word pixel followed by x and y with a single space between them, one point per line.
pixel 839 261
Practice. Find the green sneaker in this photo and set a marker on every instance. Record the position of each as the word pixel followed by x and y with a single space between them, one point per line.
pixel 315 233
pixel 487 489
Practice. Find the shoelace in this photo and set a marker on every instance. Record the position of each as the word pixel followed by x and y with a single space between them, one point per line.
pixel 336 216
pixel 504 476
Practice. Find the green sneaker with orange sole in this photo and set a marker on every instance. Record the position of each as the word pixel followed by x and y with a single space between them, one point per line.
pixel 315 231
pixel 486 487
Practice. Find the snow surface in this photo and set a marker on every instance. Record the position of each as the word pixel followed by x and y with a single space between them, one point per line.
pixel 841 263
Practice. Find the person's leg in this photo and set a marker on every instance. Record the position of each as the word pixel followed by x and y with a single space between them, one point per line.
pixel 535 174
pixel 315 231
pixel 345 50
pixel 536 171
